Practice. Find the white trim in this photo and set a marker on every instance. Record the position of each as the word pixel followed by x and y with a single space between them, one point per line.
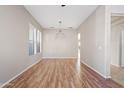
pixel 108 77
pixel 19 73
pixel 107 54
pixel 96 71
pixel 115 65
pixel 59 57
pixel 117 14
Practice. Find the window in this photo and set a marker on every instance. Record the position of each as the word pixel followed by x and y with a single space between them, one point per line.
pixel 31 40
pixel 79 45
pixel 38 41
pixel 34 40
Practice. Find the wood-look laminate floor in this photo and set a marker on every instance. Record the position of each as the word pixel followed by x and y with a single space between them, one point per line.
pixel 117 74
pixel 60 73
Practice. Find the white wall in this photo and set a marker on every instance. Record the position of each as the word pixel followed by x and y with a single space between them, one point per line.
pixel 117 9
pixel 115 44
pixel 61 46
pixel 14 27
pixel 95 41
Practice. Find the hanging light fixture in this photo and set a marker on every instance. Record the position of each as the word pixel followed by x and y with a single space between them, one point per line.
pixel 59 33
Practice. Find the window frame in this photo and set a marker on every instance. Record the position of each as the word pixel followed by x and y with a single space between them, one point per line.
pixel 36 39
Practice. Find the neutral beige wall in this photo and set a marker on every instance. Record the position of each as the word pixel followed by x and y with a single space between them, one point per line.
pixel 61 46
pixel 14 27
pixel 95 40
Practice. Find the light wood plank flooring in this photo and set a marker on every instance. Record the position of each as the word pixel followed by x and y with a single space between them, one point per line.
pixel 60 73
pixel 117 74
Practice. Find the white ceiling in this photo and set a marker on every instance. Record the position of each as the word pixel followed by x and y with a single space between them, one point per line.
pixel 70 15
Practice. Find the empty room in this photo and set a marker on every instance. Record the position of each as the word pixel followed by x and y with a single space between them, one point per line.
pixel 59 46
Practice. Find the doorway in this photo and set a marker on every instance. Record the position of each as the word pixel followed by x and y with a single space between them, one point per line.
pixel 117 48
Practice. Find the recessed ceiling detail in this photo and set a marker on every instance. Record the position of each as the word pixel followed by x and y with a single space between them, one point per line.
pixel 71 15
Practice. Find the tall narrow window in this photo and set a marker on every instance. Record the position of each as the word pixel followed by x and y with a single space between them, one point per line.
pixel 38 41
pixel 79 45
pixel 31 40
pixel 35 41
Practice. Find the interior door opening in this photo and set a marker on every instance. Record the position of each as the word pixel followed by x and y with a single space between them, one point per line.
pixel 117 49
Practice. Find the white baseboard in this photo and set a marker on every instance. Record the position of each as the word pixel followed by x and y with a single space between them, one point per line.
pixel 59 57
pixel 106 77
pixel 19 73
pixel 115 65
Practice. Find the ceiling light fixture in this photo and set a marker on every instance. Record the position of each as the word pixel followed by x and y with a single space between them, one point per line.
pixel 59 33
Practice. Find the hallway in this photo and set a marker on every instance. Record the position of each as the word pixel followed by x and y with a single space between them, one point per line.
pixel 60 73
